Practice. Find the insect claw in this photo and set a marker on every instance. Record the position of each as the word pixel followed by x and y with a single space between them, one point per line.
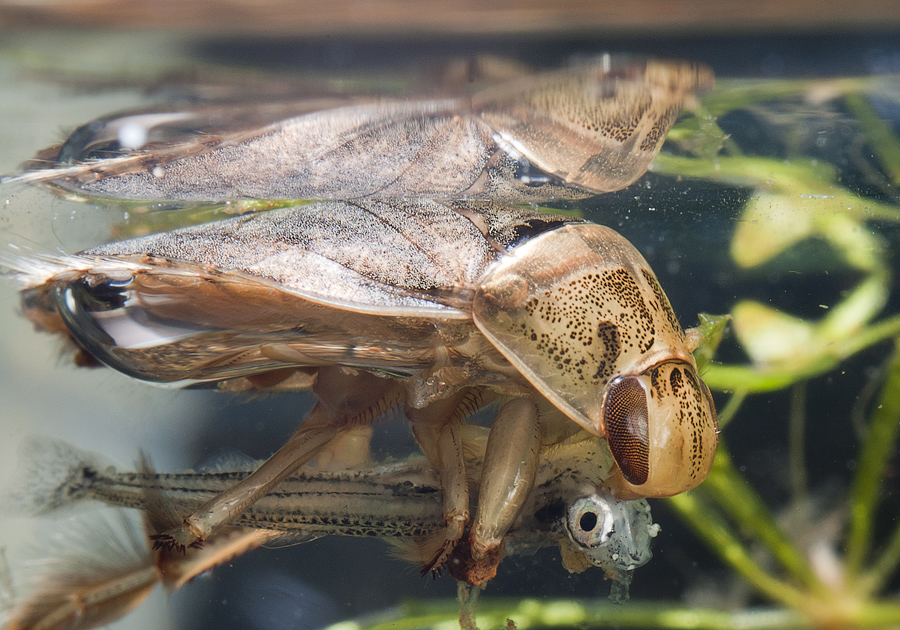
pixel 428 568
pixel 436 565
pixel 434 571
pixel 166 542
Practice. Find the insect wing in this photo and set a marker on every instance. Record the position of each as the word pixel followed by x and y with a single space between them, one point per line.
pixel 353 284
pixel 598 126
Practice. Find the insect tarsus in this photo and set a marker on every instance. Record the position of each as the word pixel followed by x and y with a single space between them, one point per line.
pixel 167 542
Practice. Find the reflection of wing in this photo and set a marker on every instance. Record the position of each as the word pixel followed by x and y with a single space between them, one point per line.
pixel 105 145
pixel 107 136
pixel 599 126
pixel 388 149
pixel 375 285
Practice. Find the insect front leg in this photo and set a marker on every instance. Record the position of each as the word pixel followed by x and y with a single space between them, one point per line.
pixel 347 399
pixel 510 465
pixel 438 432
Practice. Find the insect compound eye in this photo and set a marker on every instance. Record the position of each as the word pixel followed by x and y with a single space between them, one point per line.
pixel 626 426
pixel 591 522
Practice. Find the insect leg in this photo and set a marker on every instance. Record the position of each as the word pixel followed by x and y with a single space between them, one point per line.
pixel 510 465
pixel 312 435
pixel 346 399
pixel 437 430
pixel 349 448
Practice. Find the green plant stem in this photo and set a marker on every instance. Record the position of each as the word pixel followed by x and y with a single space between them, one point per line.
pixel 731 94
pixel 753 172
pixel 530 613
pixel 778 177
pixel 731 408
pixel 877 448
pixel 467 596
pixel 749 379
pixel 493 613
pixel 708 525
pixel 708 335
pixel 740 502
pixel 877 576
pixel 880 136
pixel 876 616
pixel 796 440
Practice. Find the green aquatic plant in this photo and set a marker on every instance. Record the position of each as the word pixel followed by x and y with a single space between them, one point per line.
pixel 789 203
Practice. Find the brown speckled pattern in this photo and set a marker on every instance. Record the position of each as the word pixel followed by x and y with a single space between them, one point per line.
pixel 682 388
pixel 662 302
pixel 591 319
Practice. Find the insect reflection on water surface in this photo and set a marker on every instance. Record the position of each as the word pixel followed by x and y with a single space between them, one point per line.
pixel 440 306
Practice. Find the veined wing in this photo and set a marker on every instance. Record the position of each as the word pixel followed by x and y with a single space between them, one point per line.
pixel 358 284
